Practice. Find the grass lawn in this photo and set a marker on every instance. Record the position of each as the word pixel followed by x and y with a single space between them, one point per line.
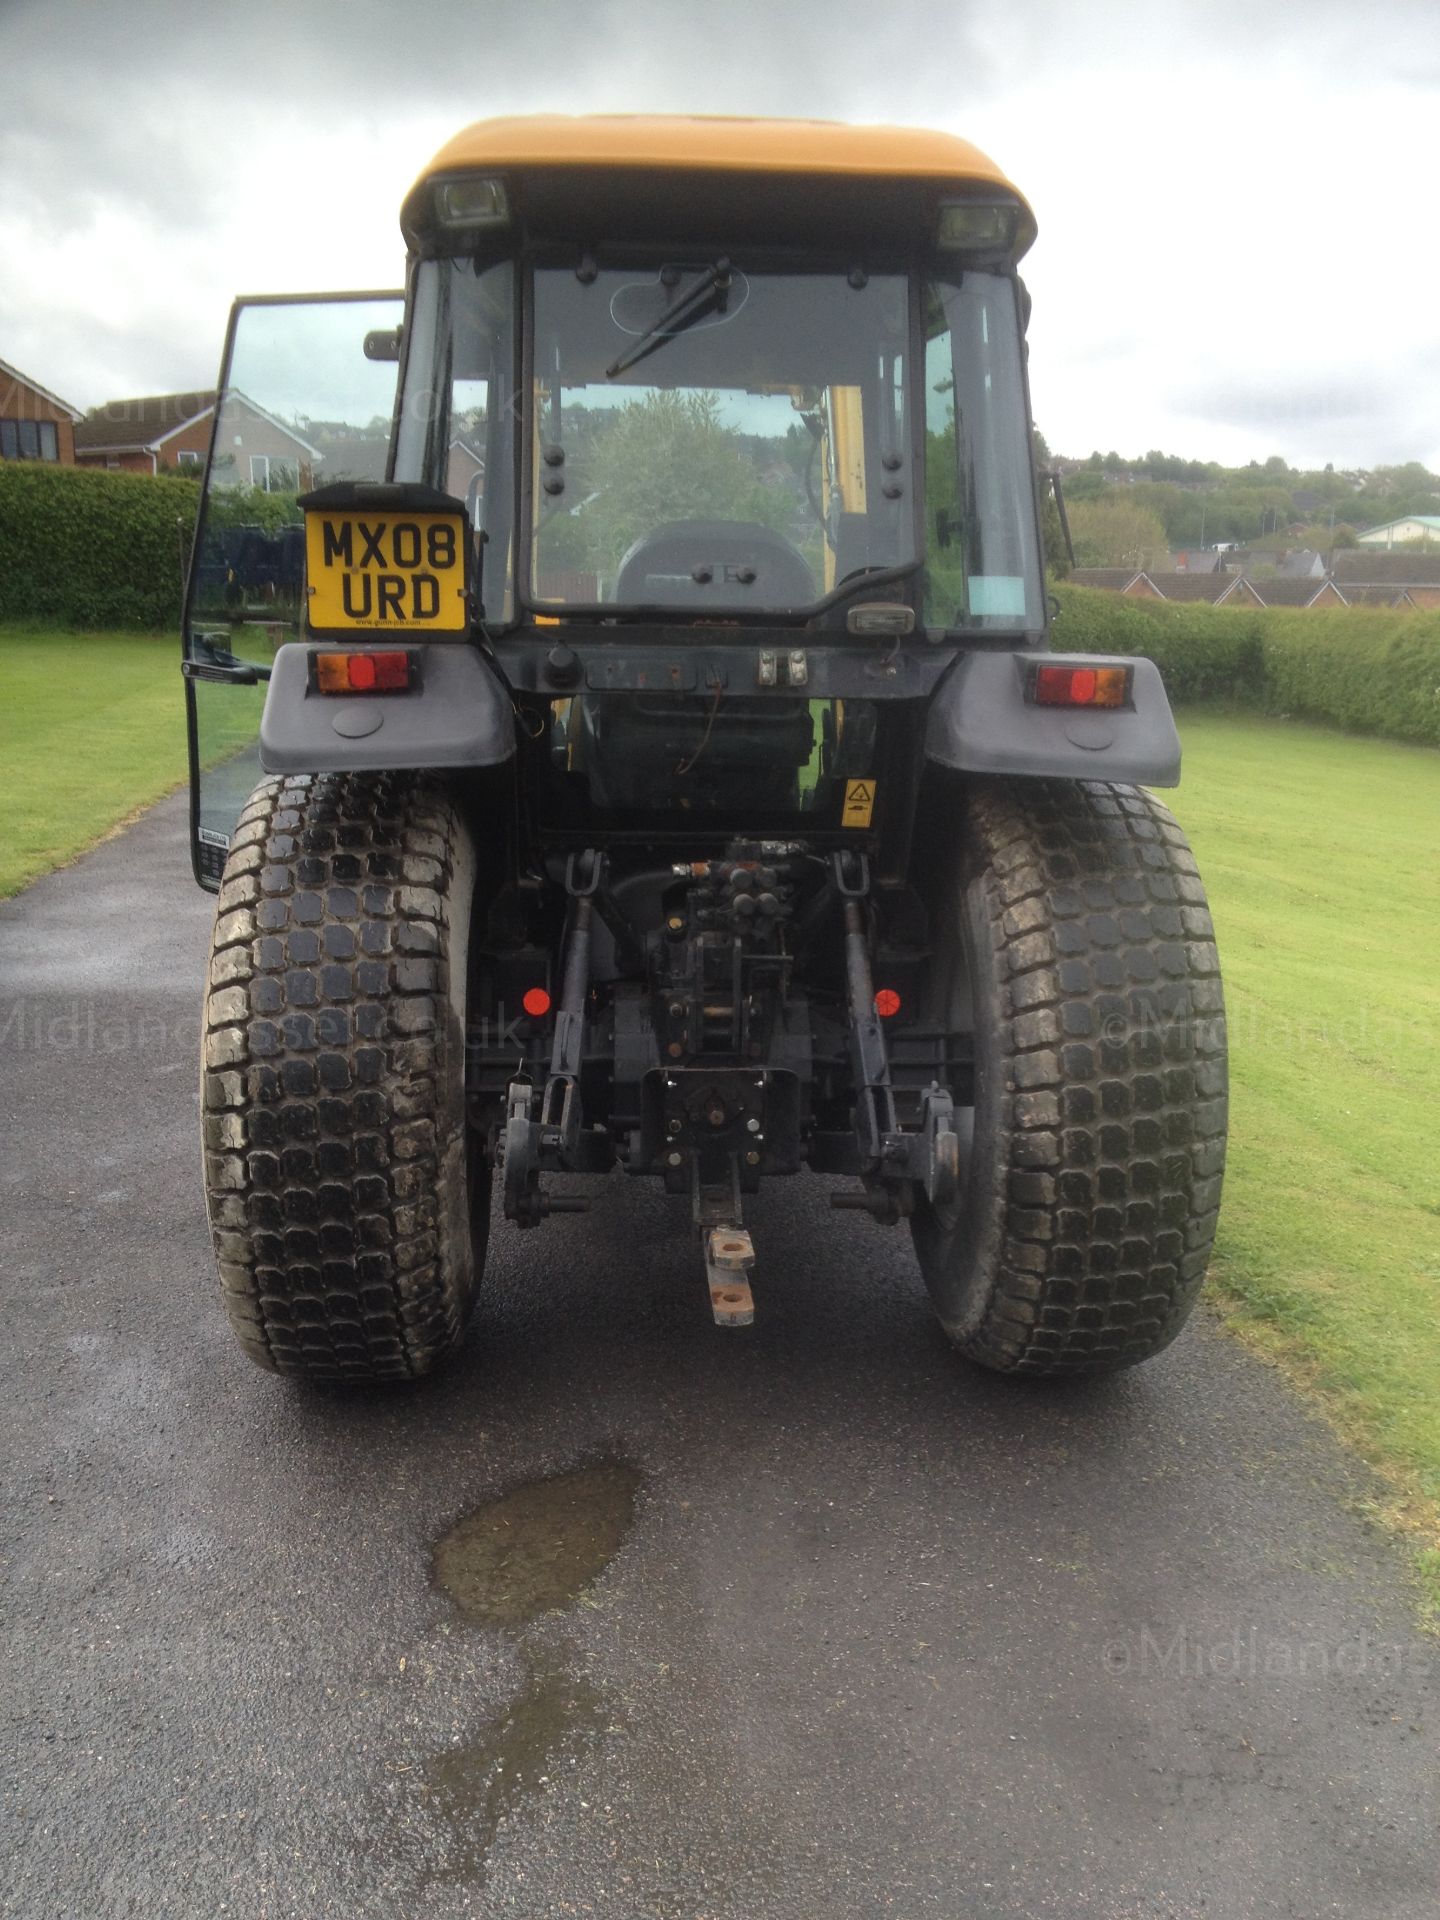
pixel 92 727
pixel 1320 855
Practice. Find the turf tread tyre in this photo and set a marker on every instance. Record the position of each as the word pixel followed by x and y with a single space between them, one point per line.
pixel 1101 1080
pixel 336 1163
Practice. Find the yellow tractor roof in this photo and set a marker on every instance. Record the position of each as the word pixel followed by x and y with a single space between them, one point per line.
pixel 716 143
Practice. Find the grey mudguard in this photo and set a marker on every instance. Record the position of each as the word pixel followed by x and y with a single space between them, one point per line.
pixel 459 716
pixel 981 722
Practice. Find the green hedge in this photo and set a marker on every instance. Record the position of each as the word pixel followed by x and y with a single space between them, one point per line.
pixel 1367 669
pixel 93 549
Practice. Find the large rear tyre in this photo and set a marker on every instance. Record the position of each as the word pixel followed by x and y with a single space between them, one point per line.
pixel 1073 940
pixel 348 1199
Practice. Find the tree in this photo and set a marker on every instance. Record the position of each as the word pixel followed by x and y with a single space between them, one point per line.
pixel 1115 533
pixel 665 457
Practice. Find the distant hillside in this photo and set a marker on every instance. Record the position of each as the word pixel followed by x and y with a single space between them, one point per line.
pixel 1199 502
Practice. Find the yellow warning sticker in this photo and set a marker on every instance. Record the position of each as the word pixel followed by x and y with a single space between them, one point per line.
pixel 859 803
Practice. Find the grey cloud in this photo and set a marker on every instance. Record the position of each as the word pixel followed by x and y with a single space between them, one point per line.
pixel 1377 416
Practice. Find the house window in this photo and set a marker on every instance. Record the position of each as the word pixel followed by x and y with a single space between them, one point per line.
pixel 260 471
pixel 186 459
pixel 28 440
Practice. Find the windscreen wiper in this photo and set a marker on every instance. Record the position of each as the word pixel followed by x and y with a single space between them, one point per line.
pixel 711 289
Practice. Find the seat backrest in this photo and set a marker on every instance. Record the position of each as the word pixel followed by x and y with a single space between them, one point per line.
pixel 714 563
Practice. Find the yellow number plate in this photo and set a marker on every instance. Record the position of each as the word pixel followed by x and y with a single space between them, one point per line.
pixel 385 572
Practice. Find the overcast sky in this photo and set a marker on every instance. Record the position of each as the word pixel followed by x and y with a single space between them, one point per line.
pixel 1236 202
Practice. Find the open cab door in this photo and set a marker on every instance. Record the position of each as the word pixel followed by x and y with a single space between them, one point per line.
pixel 306 399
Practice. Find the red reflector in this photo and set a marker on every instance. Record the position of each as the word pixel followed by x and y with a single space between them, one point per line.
pixel 887 1003
pixel 392 671
pixel 1081 686
pixel 536 1002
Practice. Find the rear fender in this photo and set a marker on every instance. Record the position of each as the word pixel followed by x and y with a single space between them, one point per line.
pixel 980 721
pixel 459 715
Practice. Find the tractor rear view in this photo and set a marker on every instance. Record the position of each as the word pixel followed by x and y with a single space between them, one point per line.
pixel 636 743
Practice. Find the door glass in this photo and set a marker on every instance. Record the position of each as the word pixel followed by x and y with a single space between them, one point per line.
pixel 299 406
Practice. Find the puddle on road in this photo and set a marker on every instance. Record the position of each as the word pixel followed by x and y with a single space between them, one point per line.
pixel 533 1550
pixel 526 1750
pixel 537 1547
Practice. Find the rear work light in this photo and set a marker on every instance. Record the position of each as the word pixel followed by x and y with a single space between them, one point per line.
pixel 368 672
pixel 1080 686
pixel 476 201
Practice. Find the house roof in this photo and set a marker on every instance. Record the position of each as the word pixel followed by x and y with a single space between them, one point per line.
pixel 142 426
pixel 1195 559
pixel 14 373
pixel 1114 579
pixel 1192 586
pixel 1371 596
pixel 138 426
pixel 1301 564
pixel 1291 591
pixel 1382 566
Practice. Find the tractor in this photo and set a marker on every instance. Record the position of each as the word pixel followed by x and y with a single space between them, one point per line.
pixel 626 737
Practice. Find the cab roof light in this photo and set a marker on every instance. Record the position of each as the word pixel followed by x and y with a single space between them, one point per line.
pixel 373 671
pixel 982 227
pixel 472 203
pixel 1080 686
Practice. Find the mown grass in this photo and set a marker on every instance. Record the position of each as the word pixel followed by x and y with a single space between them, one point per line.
pixel 1319 853
pixel 92 727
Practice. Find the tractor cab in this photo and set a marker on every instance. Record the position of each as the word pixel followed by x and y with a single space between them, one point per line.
pixel 735 416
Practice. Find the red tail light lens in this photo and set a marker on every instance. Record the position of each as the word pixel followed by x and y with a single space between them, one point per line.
pixel 1081 686
pixel 369 672
pixel 887 1003
pixel 536 1002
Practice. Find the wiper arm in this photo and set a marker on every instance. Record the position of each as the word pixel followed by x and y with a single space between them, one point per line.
pixel 714 284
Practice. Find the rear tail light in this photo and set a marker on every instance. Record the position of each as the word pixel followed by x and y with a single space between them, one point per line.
pixel 1080 686
pixel 368 672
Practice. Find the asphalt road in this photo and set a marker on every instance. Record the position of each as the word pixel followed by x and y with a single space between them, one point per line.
pixel 869 1633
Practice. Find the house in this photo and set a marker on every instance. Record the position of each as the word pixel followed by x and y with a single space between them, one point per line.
pixel 1296 590
pixel 1196 560
pixel 1217 588
pixel 464 468
pixel 1111 579
pixel 139 436
pixel 1354 596
pixel 1416 526
pixel 35 424
pixel 1415 576
pixel 254 449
